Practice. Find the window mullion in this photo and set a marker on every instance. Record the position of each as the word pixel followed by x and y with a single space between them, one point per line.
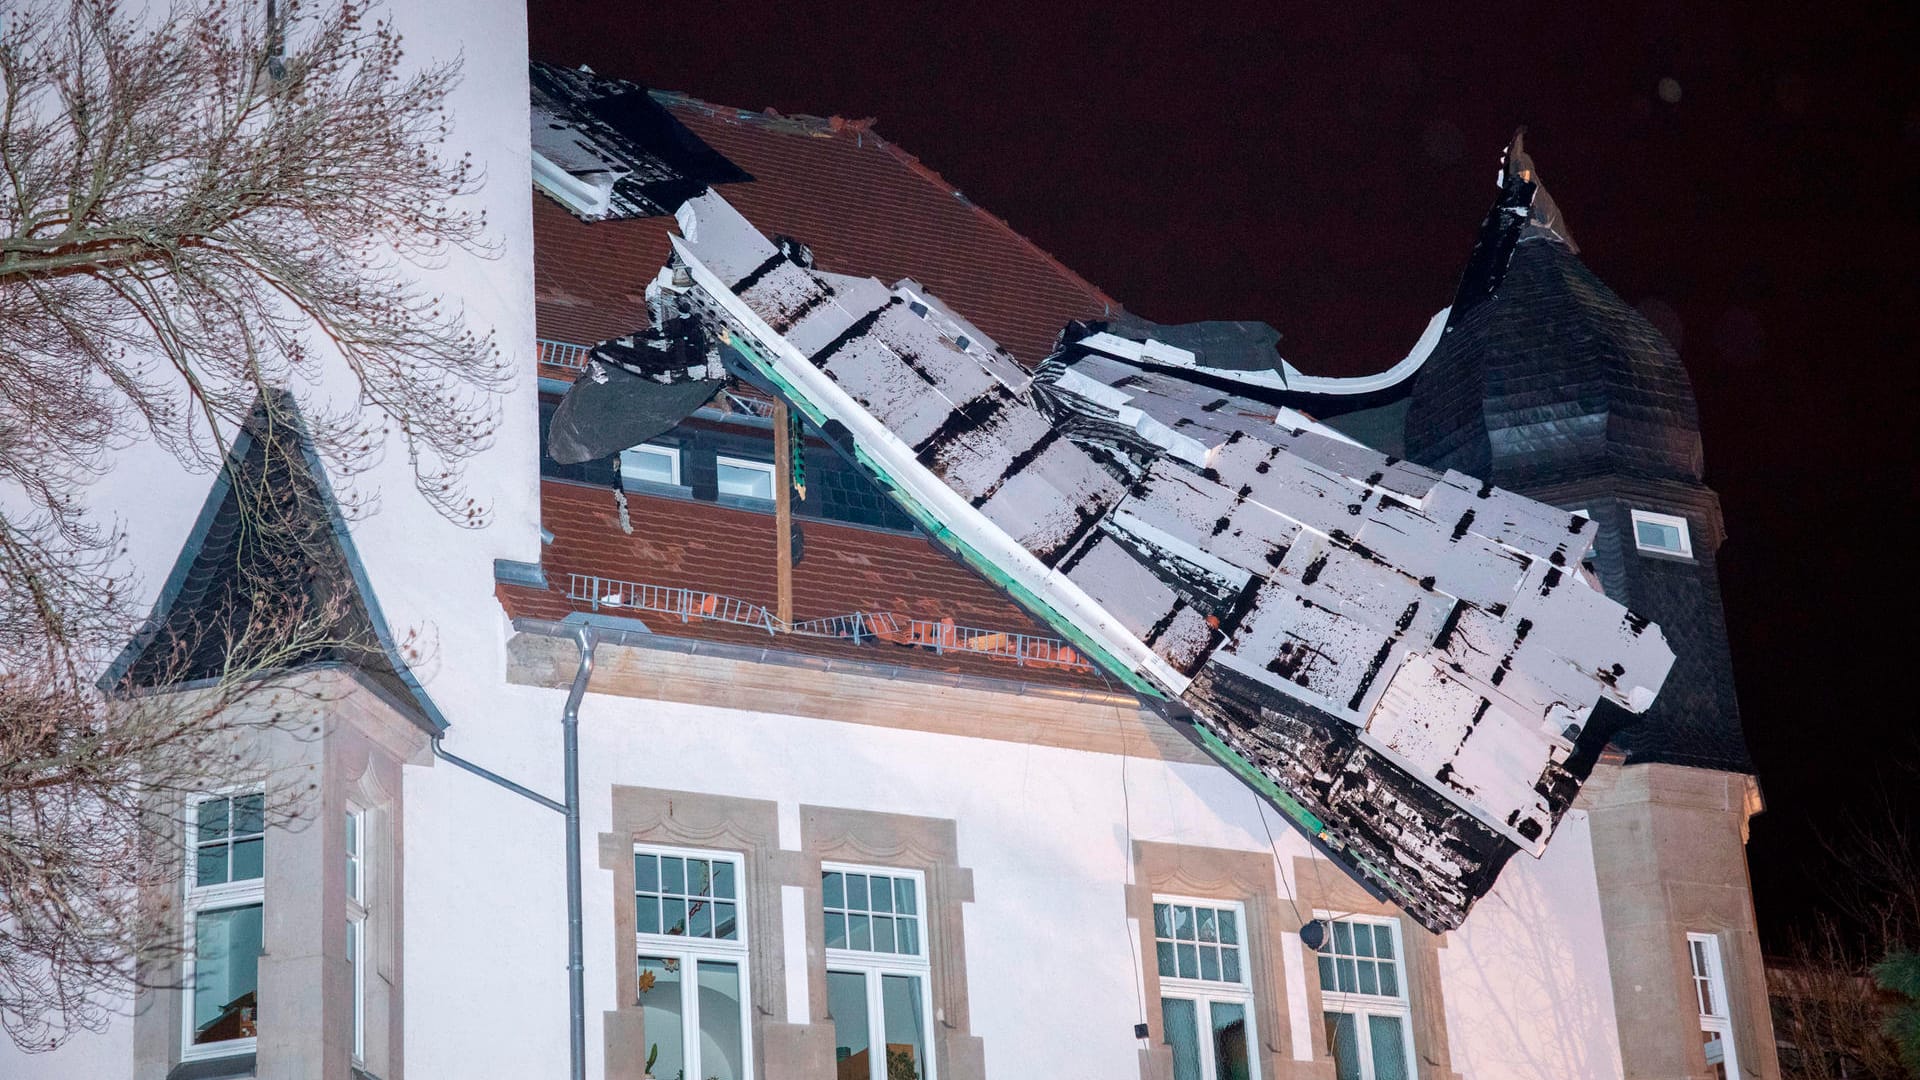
pixel 876 1026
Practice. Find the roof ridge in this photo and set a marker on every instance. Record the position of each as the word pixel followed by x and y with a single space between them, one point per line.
pixel 863 128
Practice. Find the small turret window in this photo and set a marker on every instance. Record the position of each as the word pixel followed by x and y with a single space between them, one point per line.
pixel 1662 533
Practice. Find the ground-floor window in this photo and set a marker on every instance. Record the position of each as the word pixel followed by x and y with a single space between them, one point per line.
pixel 692 956
pixel 879 977
pixel 1363 996
pixel 1206 988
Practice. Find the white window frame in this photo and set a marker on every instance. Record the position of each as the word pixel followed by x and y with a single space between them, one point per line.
pixel 223 896
pixel 356 844
pixel 691 950
pixel 1713 980
pixel 874 965
pixel 1671 521
pixel 671 453
pixel 1203 992
pixel 1361 1006
pixel 721 460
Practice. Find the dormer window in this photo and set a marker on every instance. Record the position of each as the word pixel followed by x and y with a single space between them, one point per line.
pixel 1662 534
pixel 651 465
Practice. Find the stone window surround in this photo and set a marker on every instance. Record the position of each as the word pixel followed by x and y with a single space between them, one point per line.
pixel 1321 886
pixel 1223 874
pixel 783 1050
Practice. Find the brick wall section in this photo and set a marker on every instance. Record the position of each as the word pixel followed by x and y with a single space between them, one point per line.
pixel 698 545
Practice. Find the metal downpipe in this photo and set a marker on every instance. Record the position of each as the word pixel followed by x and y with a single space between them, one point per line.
pixel 576 971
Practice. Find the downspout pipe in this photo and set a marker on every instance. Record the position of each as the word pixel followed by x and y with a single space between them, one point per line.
pixel 570 810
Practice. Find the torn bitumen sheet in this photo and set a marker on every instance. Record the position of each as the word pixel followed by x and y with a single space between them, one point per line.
pixel 1404 662
pixel 637 388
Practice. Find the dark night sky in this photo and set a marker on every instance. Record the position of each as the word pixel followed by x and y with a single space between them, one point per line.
pixel 1325 172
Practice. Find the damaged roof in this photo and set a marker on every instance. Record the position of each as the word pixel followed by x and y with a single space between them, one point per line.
pixel 866 207
pixel 1405 661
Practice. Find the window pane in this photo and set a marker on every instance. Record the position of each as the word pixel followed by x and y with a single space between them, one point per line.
pixel 661 1009
pixel 908 932
pixel 1189 963
pixel 353 970
pixel 1208 931
pixel 1230 965
pixel 1229 933
pixel 859 934
pixel 673 877
pixel 1389 980
pixel 847 1001
pixel 882 889
pixel 905 1027
pixel 1210 963
pixel 1183 1034
pixel 903 898
pixel 249 817
pixel 1344 1041
pixel 833 890
pixel 723 880
pixel 211 820
pixel 1363 940
pixel 698 880
pixel 1348 981
pixel 1343 938
pixel 1326 974
pixel 647 914
pixel 722 1044
pixel 1183 923
pixel 226 969
pixel 246 859
pixel 647 464
pixel 1230 1041
pixel 210 865
pixel 882 933
pixel 836 930
pixel 1383 942
pixel 1167 970
pixel 724 925
pixel 856 892
pixel 1389 1048
pixel 745 481
pixel 1368 983
pixel 353 857
pixel 1162 921
pixel 699 919
pixel 673 916
pixel 646 873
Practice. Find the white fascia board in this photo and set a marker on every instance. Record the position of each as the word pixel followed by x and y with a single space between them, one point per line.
pixel 969 526
pixel 582 196
pixel 1367 384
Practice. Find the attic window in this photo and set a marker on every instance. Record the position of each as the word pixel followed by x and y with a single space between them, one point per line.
pixel 745 479
pixel 1662 534
pixel 650 464
pixel 917 308
pixel 964 342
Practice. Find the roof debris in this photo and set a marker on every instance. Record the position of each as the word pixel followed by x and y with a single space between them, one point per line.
pixel 1404 661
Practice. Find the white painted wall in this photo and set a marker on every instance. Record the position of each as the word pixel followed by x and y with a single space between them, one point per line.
pixel 1050 960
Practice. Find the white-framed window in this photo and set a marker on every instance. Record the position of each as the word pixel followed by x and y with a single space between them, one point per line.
pixel 1662 533
pixel 1206 987
pixel 745 479
pixel 356 832
pixel 1710 993
pixel 225 883
pixel 879 975
pixel 650 464
pixel 1363 998
pixel 691 947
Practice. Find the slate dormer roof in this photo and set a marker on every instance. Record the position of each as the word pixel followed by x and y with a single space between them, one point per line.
pixel 270 527
pixel 1544 375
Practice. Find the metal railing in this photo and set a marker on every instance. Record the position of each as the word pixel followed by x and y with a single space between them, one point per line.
pixel 859 627
pixel 562 354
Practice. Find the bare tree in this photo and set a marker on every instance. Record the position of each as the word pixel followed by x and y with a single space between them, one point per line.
pixel 1831 1014
pixel 200 208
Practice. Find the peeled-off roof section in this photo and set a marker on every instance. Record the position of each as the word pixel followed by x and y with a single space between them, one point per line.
pixel 865 207
pixel 1405 662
